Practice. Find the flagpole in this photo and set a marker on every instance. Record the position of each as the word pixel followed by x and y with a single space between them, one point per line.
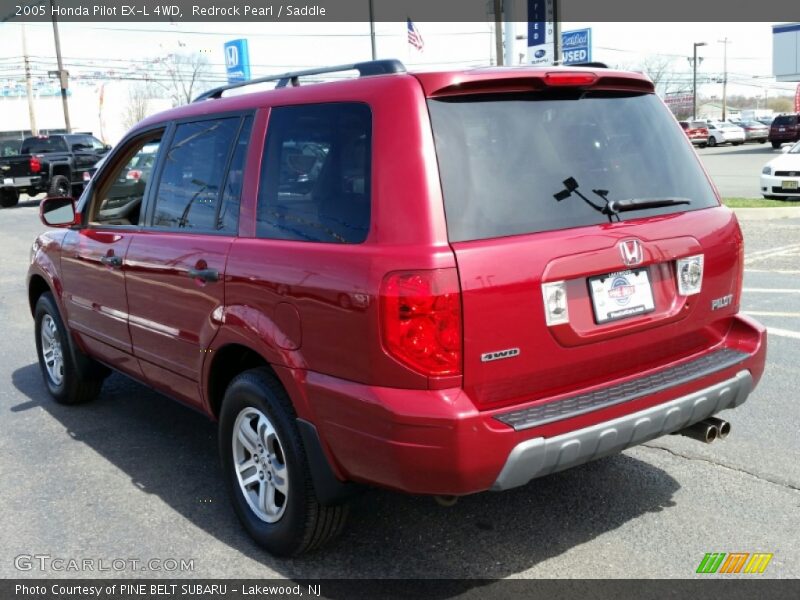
pixel 372 29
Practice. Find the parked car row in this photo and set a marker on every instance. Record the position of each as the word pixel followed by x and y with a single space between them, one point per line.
pixel 709 132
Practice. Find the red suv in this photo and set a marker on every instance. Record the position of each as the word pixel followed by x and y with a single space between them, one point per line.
pixel 784 129
pixel 438 283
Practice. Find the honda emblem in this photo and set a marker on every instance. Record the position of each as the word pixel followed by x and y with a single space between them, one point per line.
pixel 631 251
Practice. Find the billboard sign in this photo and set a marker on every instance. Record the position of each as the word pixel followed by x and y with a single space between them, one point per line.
pixel 576 46
pixel 540 32
pixel 237 60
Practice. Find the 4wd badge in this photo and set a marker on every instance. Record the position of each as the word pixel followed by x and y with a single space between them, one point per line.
pixel 499 354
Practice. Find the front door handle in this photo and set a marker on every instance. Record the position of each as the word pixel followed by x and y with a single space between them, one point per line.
pixel 111 261
pixel 204 274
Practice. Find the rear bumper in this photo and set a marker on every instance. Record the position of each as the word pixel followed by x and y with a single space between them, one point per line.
pixel 438 442
pixel 541 456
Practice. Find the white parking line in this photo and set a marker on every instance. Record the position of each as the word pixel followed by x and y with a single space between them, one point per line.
pixel 770 313
pixel 778 271
pixel 771 252
pixel 784 332
pixel 772 290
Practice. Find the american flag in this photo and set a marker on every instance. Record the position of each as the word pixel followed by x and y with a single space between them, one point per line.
pixel 414 36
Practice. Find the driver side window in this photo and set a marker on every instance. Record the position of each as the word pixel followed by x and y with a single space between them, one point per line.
pixel 118 197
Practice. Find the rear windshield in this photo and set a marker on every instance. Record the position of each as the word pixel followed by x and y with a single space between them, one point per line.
pixel 699 125
pixel 785 120
pixel 504 158
pixel 43 145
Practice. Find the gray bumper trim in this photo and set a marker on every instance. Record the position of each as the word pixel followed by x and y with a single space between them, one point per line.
pixel 541 456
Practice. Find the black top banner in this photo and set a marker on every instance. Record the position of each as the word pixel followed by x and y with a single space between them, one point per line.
pixel 392 10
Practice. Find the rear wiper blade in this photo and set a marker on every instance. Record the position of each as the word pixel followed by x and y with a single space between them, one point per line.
pixel 618 206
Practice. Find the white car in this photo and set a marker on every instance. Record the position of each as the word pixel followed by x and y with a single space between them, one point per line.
pixel 780 177
pixel 720 132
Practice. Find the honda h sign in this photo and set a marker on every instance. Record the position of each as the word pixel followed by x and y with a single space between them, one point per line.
pixel 576 46
pixel 237 61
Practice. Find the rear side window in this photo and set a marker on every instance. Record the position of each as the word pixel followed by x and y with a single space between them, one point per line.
pixel 785 120
pixel 315 179
pixel 43 145
pixel 503 158
pixel 189 189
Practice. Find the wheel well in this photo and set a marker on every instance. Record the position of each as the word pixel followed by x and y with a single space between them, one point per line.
pixel 227 363
pixel 62 170
pixel 36 288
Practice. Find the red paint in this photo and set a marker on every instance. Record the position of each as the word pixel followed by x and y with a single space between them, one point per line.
pixel 315 312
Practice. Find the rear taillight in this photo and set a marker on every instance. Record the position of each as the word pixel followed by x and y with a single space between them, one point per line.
pixel 690 275
pixel 421 320
pixel 570 79
pixel 35 165
pixel 134 174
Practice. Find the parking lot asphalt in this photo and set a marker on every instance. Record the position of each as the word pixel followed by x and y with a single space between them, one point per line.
pixel 736 169
pixel 136 476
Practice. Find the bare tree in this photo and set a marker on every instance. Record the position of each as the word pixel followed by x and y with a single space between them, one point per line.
pixel 660 70
pixel 181 76
pixel 139 96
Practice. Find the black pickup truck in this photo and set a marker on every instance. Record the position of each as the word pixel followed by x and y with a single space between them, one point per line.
pixel 52 164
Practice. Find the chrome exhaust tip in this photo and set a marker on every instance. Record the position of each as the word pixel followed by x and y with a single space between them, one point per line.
pixel 723 427
pixel 702 432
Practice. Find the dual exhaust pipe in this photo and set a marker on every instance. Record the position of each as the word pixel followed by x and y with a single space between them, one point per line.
pixel 707 430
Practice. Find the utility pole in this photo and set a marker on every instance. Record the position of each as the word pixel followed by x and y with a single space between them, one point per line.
pixel 724 76
pixel 28 83
pixel 694 78
pixel 372 29
pixel 498 31
pixel 63 76
pixel 556 33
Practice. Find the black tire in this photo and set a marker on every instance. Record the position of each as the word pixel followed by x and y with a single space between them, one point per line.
pixel 776 145
pixel 737 143
pixel 9 197
pixel 712 141
pixel 59 186
pixel 304 524
pixel 82 377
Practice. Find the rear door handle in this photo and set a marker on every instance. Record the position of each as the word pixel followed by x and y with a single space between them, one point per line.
pixel 204 274
pixel 111 261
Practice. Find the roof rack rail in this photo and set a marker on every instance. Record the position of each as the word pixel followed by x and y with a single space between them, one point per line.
pixel 365 69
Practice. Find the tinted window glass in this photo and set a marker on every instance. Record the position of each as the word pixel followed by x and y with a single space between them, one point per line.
pixel 229 209
pixel 315 181
pixel 118 196
pixel 503 158
pixel 785 120
pixel 194 169
pixel 43 145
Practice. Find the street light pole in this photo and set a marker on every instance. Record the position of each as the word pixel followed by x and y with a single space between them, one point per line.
pixel 724 77
pixel 694 79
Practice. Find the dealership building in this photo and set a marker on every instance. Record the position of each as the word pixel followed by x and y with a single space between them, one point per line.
pixel 786 52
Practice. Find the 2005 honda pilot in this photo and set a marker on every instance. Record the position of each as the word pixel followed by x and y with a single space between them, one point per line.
pixel 438 283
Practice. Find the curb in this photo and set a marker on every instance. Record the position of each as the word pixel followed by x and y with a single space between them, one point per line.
pixel 764 214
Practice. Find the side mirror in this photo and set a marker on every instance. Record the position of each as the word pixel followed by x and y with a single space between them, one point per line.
pixel 58 211
pixel 786 149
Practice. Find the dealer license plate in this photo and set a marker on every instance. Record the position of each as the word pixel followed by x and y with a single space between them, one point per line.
pixel 621 294
pixel 789 185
